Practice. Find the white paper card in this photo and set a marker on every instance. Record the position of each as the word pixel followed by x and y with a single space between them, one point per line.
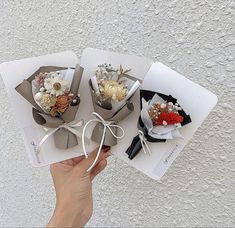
pixel 158 78
pixel 13 73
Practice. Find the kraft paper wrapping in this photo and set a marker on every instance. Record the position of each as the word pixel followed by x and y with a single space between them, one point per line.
pixel 106 112
pixel 63 138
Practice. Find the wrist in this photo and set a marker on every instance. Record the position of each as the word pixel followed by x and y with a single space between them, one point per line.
pixel 65 215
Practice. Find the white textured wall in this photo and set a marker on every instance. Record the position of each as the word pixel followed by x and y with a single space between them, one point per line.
pixel 195 37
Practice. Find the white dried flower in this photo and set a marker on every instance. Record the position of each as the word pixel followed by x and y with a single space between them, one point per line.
pixel 111 89
pixel 38 96
pixel 56 85
pixel 42 89
pixel 164 122
pixel 47 101
pixel 179 108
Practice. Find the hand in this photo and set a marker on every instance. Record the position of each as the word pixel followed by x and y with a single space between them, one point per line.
pixel 73 186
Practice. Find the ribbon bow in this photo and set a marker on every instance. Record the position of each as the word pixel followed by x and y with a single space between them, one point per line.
pixel 69 126
pixel 144 143
pixel 107 126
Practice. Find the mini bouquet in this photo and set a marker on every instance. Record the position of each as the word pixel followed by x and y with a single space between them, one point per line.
pixel 111 92
pixel 160 119
pixel 53 92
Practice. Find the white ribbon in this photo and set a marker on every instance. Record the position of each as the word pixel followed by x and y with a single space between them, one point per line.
pixel 144 143
pixel 69 126
pixel 107 126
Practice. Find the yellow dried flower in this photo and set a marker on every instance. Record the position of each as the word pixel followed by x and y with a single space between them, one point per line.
pixel 47 101
pixel 114 90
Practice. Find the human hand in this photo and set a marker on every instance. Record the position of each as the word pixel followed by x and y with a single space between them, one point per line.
pixel 73 186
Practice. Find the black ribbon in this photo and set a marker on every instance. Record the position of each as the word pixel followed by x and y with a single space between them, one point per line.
pixel 136 145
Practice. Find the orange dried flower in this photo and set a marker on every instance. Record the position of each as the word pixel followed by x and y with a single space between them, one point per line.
pixel 62 103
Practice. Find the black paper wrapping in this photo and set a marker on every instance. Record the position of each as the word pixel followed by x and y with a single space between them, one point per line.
pixel 136 145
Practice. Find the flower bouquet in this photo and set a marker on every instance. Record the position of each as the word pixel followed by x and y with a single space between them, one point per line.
pixel 58 111
pixel 160 119
pixel 53 92
pixel 111 92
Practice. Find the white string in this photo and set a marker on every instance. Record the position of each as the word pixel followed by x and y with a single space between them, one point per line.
pixel 144 143
pixel 69 126
pixel 107 126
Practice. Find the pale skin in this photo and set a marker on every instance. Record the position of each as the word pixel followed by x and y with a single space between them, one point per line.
pixel 73 186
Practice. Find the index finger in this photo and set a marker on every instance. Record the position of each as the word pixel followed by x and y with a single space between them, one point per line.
pixel 78 159
pixel 86 163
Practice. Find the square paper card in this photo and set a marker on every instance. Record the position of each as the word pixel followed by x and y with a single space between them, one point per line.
pixel 157 78
pixel 13 73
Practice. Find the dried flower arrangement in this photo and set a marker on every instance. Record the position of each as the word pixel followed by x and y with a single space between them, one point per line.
pixel 51 92
pixel 160 119
pixel 165 113
pixel 110 84
pixel 112 91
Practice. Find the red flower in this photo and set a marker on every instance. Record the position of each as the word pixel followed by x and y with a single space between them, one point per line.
pixel 169 117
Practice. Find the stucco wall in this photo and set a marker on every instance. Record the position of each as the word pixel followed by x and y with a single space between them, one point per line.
pixel 194 37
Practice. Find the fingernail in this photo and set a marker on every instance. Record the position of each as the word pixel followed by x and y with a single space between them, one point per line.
pixel 105 148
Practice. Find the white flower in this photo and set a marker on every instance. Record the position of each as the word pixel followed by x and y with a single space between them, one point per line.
pixel 101 73
pixel 164 123
pixel 38 96
pixel 55 85
pixel 42 89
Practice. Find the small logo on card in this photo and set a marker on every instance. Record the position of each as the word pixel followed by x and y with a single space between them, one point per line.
pixel 167 159
pixel 34 146
pixel 35 149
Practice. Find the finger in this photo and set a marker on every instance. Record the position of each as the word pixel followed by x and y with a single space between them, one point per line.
pixel 61 167
pixel 85 164
pixel 98 168
pixel 73 161
pixel 67 162
pixel 78 159
pixel 54 168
